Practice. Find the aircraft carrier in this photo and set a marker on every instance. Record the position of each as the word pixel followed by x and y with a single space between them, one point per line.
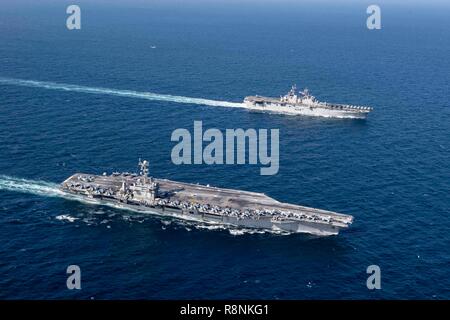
pixel 194 202
pixel 305 104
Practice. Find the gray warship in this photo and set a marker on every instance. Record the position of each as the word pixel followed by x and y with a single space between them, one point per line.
pixel 306 104
pixel 141 192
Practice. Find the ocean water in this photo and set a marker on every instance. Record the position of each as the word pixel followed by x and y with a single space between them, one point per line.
pixel 97 99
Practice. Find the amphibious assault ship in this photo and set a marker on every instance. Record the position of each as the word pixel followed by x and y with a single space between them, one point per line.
pixel 194 202
pixel 305 104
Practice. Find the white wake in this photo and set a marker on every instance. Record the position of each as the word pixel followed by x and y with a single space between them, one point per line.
pixel 36 187
pixel 121 93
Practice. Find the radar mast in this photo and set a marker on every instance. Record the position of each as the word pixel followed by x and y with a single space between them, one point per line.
pixel 143 167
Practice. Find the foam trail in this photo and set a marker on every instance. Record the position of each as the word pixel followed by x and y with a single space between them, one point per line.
pixel 40 188
pixel 121 93
pixel 36 187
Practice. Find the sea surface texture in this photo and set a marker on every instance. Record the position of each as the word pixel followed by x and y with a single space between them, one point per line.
pixel 97 99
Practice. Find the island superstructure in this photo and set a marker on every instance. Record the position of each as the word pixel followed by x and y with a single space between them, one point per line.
pixel 304 103
pixel 207 204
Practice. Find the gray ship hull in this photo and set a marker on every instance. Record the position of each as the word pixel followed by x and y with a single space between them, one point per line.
pixel 205 204
pixel 305 110
pixel 305 104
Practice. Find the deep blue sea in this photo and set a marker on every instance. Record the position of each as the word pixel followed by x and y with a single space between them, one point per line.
pixel 391 171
